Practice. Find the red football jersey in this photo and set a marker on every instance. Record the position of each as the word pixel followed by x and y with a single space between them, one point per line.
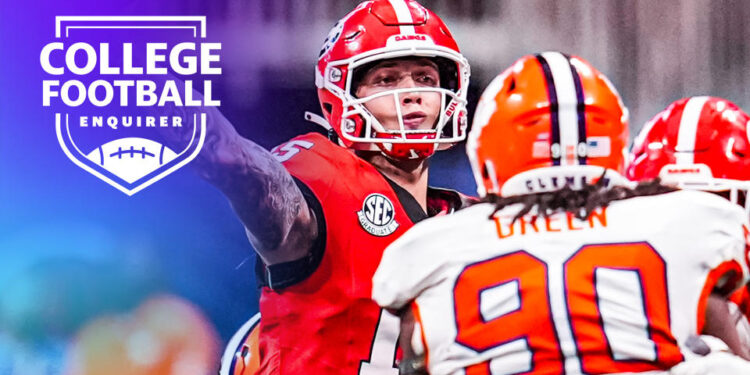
pixel 327 323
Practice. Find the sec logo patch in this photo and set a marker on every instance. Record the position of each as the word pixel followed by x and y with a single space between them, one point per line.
pixel 377 216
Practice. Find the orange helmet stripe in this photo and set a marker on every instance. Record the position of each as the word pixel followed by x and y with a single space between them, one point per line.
pixel 581 111
pixel 568 118
pixel 554 110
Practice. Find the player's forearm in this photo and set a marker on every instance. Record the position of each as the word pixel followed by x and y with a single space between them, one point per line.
pixel 276 216
pixel 223 149
pixel 228 159
pixel 261 191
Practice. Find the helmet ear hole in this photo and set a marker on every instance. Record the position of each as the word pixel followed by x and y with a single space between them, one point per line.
pixel 328 108
pixel 352 35
pixel 512 85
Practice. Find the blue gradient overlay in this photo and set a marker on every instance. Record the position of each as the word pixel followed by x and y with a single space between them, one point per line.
pixel 73 248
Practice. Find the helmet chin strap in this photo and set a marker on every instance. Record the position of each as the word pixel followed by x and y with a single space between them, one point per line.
pixel 318 120
pixel 413 156
pixel 405 151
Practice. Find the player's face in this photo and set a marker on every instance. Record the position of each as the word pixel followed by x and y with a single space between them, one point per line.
pixel 419 110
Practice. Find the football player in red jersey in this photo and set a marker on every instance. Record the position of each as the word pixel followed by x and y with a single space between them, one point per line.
pixel 699 143
pixel 320 211
pixel 567 267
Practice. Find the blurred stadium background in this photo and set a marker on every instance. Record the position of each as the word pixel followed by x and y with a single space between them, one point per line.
pixel 93 282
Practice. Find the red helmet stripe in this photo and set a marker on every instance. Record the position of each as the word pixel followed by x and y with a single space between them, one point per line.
pixel 688 129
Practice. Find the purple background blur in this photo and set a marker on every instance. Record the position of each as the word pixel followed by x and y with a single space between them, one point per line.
pixel 73 248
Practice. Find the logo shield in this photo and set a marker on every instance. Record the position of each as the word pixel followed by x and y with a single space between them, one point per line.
pixel 132 162
pixel 123 90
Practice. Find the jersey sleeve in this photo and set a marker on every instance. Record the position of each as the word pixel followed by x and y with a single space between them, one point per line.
pixel 734 249
pixel 313 160
pixel 741 297
pixel 410 264
pixel 746 253
pixel 720 246
pixel 310 160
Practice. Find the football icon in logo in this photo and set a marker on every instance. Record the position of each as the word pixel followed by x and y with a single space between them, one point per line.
pixel 131 158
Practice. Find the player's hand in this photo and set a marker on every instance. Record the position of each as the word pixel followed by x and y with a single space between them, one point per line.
pixel 716 363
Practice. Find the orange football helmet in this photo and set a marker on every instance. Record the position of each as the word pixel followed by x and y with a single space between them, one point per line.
pixel 547 110
pixel 242 356
pixel 165 335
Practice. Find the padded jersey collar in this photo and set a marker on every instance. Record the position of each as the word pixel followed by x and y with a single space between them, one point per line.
pixel 439 201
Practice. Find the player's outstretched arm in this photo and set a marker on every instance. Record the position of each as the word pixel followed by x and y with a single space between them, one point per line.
pixel 277 219
pixel 280 225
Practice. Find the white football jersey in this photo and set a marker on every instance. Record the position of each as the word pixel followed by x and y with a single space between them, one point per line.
pixel 619 292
